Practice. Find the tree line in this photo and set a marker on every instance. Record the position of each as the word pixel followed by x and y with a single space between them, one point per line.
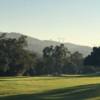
pixel 16 59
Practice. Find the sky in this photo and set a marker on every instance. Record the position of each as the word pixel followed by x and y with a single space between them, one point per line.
pixel 75 21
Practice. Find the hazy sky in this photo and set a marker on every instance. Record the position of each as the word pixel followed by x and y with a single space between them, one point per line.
pixel 75 21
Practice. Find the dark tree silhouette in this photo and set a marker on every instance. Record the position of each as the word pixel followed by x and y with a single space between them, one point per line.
pixel 94 58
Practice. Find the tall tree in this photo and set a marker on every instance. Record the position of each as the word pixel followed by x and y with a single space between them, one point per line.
pixel 61 53
pixel 48 59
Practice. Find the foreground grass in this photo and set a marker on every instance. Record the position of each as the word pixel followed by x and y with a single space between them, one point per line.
pixel 50 88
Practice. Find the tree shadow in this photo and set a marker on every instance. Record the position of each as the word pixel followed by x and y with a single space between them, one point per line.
pixel 81 92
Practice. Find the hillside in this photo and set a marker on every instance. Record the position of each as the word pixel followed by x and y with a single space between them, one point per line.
pixel 37 45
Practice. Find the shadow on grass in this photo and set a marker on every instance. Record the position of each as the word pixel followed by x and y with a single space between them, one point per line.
pixel 82 92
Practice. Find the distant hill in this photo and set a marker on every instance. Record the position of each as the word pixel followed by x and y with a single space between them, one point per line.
pixel 37 45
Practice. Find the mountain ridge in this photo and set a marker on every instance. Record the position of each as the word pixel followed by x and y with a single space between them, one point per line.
pixel 37 45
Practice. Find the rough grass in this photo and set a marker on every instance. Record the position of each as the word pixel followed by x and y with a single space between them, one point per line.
pixel 50 88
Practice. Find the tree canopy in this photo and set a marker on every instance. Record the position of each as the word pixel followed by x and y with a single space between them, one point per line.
pixel 16 59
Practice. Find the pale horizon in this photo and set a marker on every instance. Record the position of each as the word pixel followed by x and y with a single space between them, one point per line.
pixel 72 21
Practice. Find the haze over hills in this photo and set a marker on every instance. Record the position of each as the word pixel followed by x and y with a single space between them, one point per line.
pixel 37 45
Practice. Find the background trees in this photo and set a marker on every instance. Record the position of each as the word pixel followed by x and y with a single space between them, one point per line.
pixel 59 60
pixel 93 60
pixel 54 58
pixel 16 59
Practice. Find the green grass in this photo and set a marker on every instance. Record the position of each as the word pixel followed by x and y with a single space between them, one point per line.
pixel 50 88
